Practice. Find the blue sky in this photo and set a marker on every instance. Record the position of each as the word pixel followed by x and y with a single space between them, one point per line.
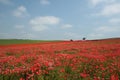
pixel 59 19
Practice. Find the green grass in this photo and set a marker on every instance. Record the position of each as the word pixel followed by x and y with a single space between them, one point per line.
pixel 22 41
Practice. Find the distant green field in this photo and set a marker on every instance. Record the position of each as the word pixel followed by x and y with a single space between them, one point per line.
pixel 21 41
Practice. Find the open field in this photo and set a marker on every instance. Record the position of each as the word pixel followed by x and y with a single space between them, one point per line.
pixel 66 60
pixel 20 41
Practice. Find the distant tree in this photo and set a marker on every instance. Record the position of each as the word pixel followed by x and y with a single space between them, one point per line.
pixel 71 40
pixel 84 38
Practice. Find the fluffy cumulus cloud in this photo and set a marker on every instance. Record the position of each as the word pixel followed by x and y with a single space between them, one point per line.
pixel 97 2
pixel 112 9
pixel 43 22
pixel 66 26
pixel 21 11
pixel 108 7
pixel 5 2
pixel 44 2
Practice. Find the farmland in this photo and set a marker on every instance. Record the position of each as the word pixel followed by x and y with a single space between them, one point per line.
pixel 63 60
pixel 22 41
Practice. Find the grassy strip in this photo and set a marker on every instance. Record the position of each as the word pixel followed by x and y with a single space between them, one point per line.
pixel 21 41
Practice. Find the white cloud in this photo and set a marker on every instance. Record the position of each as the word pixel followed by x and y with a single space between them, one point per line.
pixel 20 12
pixel 65 26
pixel 103 32
pixel 5 2
pixel 4 35
pixel 95 35
pixel 27 36
pixel 115 20
pixel 45 20
pixel 20 35
pixel 97 2
pixel 44 2
pixel 106 29
pixel 19 26
pixel 39 27
pixel 111 9
pixel 70 35
pixel 42 22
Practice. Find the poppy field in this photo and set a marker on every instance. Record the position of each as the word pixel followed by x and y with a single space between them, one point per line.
pixel 64 60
